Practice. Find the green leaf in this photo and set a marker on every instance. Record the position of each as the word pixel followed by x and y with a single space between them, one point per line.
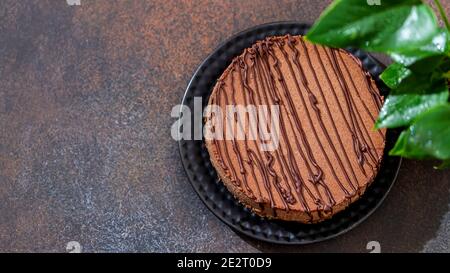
pixel 413 96
pixel 407 30
pixel 436 47
pixel 427 137
pixel 434 67
pixel 427 65
pixel 395 74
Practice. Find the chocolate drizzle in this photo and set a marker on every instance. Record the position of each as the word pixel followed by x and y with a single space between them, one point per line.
pixel 299 77
pixel 359 143
pixel 234 179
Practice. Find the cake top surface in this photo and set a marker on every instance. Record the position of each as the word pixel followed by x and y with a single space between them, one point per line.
pixel 302 139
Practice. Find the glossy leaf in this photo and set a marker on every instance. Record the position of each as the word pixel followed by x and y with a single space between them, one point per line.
pixel 427 137
pixel 407 30
pixel 413 96
pixel 435 47
pixel 395 74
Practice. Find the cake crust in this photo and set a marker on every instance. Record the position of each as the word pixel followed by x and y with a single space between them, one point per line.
pixel 327 153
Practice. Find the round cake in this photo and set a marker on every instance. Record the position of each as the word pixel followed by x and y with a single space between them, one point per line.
pixel 302 146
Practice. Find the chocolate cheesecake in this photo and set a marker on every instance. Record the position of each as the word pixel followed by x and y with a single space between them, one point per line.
pixel 320 108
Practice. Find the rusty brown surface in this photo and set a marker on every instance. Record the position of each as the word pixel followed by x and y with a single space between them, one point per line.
pixel 85 148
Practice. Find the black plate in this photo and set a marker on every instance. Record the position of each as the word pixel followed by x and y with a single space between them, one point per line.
pixel 219 200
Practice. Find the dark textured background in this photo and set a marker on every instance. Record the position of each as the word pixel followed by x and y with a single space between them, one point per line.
pixel 85 148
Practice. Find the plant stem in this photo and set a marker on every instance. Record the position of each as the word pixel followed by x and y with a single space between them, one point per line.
pixel 443 15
